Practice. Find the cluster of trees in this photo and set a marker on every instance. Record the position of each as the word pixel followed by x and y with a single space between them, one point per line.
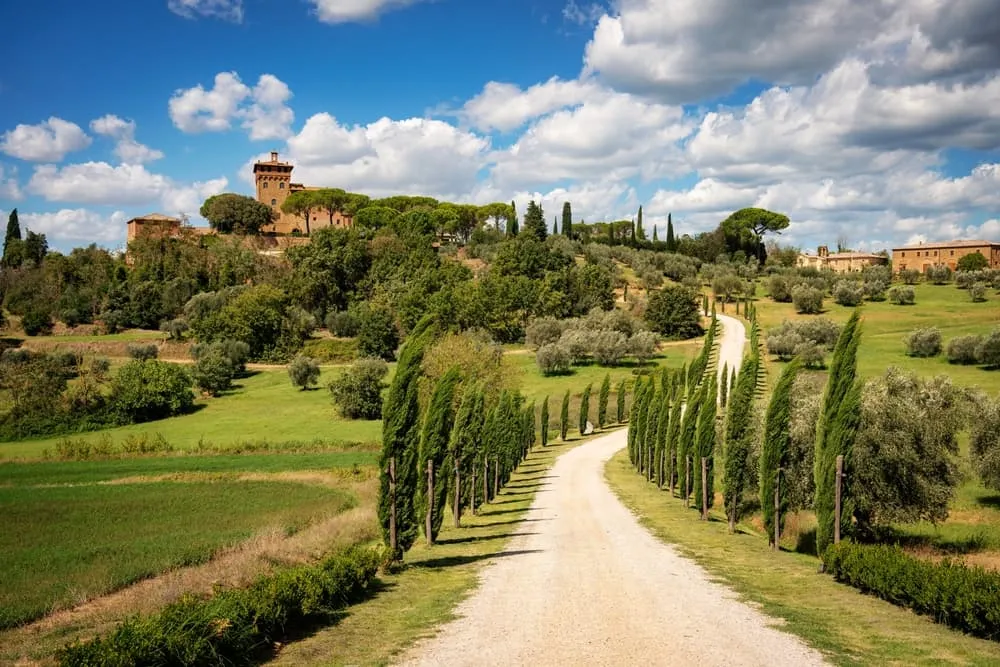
pixel 968 349
pixel 606 337
pixel 809 340
pixel 807 287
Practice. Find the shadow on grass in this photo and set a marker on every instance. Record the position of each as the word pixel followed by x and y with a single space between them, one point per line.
pixel 452 561
pixel 504 523
pixel 481 538
pixel 806 542
pixel 992 501
pixel 966 544
pixel 516 511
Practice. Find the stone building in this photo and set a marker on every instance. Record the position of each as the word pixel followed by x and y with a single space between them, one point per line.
pixel 273 179
pixel 840 262
pixel 925 255
pixel 152 224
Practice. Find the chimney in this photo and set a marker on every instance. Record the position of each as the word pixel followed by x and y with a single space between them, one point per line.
pixel 274 156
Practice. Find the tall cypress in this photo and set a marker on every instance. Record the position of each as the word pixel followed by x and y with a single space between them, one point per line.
pixel 662 426
pixel 585 409
pixel 775 449
pixel 724 385
pixel 564 417
pixel 534 221
pixel 654 234
pixel 632 234
pixel 545 421
pixel 640 231
pixel 602 401
pixel 649 441
pixel 461 449
pixel 686 443
pixel 620 403
pixel 433 453
pixel 673 435
pixel 567 220
pixel 13 235
pixel 835 433
pixel 633 419
pixel 555 226
pixel 671 241
pixel 706 441
pixel 642 423
pixel 512 226
pixel 739 435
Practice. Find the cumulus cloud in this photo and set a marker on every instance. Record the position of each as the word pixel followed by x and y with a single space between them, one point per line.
pixel 262 109
pixel 227 10
pixel 122 131
pixel 505 106
pixel 352 11
pixel 10 188
pixel 582 13
pixel 77 224
pixel 48 141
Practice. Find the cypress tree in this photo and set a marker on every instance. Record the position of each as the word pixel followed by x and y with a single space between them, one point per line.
pixel 620 406
pixel 706 441
pixel 461 448
pixel 652 423
pixel 686 444
pixel 673 435
pixel 534 221
pixel 433 453
pixel 564 417
pixel 567 220
pixel 835 433
pixel 545 422
pixel 640 231
pixel 662 426
pixel 633 419
pixel 671 241
pixel 400 441
pixel 739 434
pixel 602 401
pixel 632 234
pixel 585 409
pixel 724 385
pixel 775 448
pixel 555 226
pixel 654 234
pixel 642 422
pixel 11 238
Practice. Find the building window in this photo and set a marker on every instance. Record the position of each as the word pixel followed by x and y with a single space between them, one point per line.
pixel 264 185
pixel 281 185
pixel 952 253
pixel 274 202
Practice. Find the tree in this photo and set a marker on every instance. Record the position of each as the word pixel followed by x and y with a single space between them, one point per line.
pixel 602 401
pixel 670 444
pixel 237 214
pixel 687 443
pixel 640 231
pixel 213 371
pixel 706 441
pixel 534 221
pixel 673 312
pixel 357 392
pixel 808 300
pixel 12 241
pixel 377 334
pixel 143 391
pixel 671 240
pixel 462 444
pixel 303 372
pixel 775 450
pixel 972 262
pixel 331 200
pixel 724 386
pixel 433 480
pixel 567 220
pixel 302 204
pixel 655 239
pixel 564 417
pixel 512 228
pixel 545 421
pixel 620 396
pixel 739 439
pixel 34 248
pixel 984 441
pixel 584 409
pixel 836 431
pixel 744 230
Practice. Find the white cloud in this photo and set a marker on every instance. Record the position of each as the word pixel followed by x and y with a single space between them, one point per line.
pixel 77 224
pixel 10 189
pixel 195 110
pixel 48 141
pixel 505 106
pixel 122 131
pixel 350 11
pixel 583 13
pixel 187 199
pixel 227 10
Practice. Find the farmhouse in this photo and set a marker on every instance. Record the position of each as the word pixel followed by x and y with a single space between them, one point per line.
pixel 274 185
pixel 925 255
pixel 841 262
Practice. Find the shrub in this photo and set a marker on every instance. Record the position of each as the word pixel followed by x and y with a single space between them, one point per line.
pixel 962 349
pixel 874 290
pixel 578 343
pixel 377 334
pixel 923 342
pixel 70 317
pixel 673 312
pixel 978 292
pixel 610 347
pixel 37 322
pixel 964 598
pixel 543 331
pixel 174 328
pixel 848 292
pixel 146 390
pixel 358 391
pixel 780 288
pixel 988 351
pixel 303 372
pixel 966 279
pixel 213 371
pixel 939 274
pixel 820 330
pixel 790 338
pixel 142 351
pixel 553 359
pixel 234 625
pixel 810 354
pixel 909 276
pixel 642 345
pixel 975 261
pixel 902 295
pixel 808 300
pixel 342 324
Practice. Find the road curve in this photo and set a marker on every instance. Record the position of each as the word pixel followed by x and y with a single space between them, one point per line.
pixel 731 342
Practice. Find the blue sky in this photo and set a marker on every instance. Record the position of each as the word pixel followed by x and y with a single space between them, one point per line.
pixel 864 120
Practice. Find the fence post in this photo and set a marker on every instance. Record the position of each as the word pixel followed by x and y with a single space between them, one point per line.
pixel 704 488
pixel 836 506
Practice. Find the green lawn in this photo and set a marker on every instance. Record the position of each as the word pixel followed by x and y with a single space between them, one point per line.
pixel 61 545
pixel 264 406
pixel 128 336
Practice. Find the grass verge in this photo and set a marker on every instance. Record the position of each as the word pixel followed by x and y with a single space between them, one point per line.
pixel 849 627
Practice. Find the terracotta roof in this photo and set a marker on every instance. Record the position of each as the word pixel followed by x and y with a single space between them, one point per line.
pixel 855 255
pixel 948 244
pixel 159 217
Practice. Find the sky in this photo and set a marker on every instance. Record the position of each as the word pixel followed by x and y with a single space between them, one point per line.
pixel 872 123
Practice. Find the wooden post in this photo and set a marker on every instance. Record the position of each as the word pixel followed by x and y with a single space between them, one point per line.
pixel 472 491
pixel 777 509
pixel 659 471
pixel 704 488
pixel 671 472
pixel 393 537
pixel 458 496
pixel 428 521
pixel 836 499
pixel 687 481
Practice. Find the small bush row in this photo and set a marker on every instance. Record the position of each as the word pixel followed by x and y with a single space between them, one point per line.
pixel 961 597
pixel 237 625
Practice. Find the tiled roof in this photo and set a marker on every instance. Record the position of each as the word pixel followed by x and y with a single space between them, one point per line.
pixel 159 217
pixel 948 244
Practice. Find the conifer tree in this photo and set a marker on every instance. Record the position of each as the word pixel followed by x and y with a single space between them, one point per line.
pixel 706 441
pixel 739 434
pixel 642 423
pixel 633 420
pixel 513 228
pixel 835 433
pixel 620 405
pixel 632 234
pixel 640 231
pixel 584 409
pixel 662 426
pixel 567 220
pixel 462 448
pixel 534 221
pixel 673 435
pixel 654 234
pixel 433 453
pixel 602 402
pixel 724 385
pixel 400 443
pixel 686 444
pixel 12 238
pixel 555 226
pixel 775 449
pixel 652 422
pixel 671 241
pixel 545 421
pixel 564 417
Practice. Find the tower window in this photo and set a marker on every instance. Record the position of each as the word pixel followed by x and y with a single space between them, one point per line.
pixel 274 202
pixel 281 185
pixel 264 185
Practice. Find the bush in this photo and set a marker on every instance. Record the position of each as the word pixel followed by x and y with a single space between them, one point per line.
pixel 939 274
pixel 146 390
pixel 70 317
pixel 37 322
pixel 964 598
pixel 848 292
pixel 342 324
pixel 988 351
pixel 909 276
pixel 810 354
pixel 673 312
pixel 553 359
pixel 236 624
pixel 923 342
pixel 303 372
pixel 820 330
pixel 807 300
pixel 543 331
pixel 780 288
pixel 978 292
pixel 610 347
pixel 213 371
pixel 358 391
pixel 874 290
pixel 642 345
pixel 975 261
pixel 962 349
pixel 174 328
pixel 809 338
pixel 902 295
pixel 142 351
pixel 377 334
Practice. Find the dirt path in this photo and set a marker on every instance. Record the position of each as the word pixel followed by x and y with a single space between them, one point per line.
pixel 731 343
pixel 583 583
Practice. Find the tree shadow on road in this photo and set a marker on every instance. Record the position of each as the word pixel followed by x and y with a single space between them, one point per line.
pixel 451 561
pixel 482 538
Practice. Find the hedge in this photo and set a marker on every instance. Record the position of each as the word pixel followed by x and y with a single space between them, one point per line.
pixel 961 597
pixel 236 626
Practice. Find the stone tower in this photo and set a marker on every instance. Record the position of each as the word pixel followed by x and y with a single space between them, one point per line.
pixel 274 181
